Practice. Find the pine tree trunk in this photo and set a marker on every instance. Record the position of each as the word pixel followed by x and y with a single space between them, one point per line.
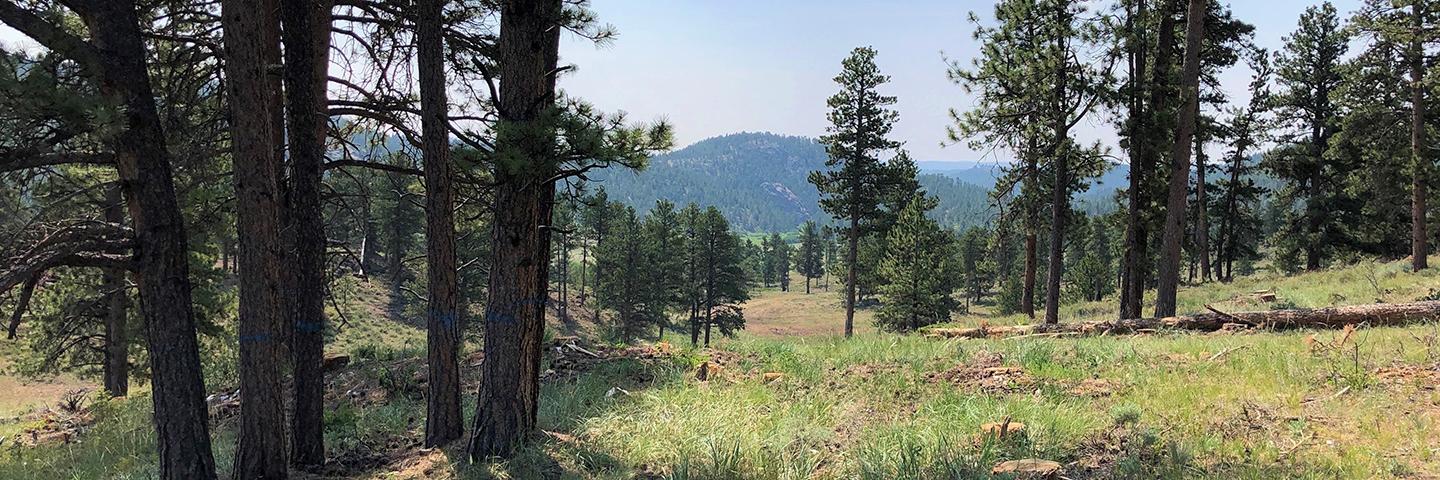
pixel 1027 295
pixel 564 259
pixel 1202 226
pixel 443 421
pixel 528 49
pixel 1313 213
pixel 584 258
pixel 1229 219
pixel 1160 94
pixel 306 36
pixel 143 162
pixel 261 450
pixel 1169 276
pixel 709 320
pixel 1060 191
pixel 1419 251
pixel 694 324
pixel 117 306
pixel 368 241
pixel 851 255
pixel 1136 237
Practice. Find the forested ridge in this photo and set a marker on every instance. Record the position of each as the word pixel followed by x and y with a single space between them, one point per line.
pixel 758 181
pixel 380 239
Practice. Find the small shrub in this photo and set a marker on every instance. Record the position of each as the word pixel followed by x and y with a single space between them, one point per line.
pixel 1125 414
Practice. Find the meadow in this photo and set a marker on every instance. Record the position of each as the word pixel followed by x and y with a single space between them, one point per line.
pixel 790 399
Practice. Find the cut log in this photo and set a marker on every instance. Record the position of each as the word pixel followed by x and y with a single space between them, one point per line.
pixel 1373 315
pixel 1028 468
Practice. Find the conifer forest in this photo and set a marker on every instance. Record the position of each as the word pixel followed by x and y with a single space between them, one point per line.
pixel 630 239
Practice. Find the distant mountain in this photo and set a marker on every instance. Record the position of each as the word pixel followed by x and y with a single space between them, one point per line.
pixel 759 181
pixel 1098 199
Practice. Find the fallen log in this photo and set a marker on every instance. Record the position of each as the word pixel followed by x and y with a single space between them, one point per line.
pixel 1374 315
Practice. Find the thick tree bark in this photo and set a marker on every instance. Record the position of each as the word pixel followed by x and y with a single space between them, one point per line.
pixel 1027 290
pixel 851 255
pixel 1419 251
pixel 1060 191
pixel 261 450
pixel 1373 315
pixel 307 62
pixel 1130 263
pixel 1169 275
pixel 443 421
pixel 117 311
pixel 1159 93
pixel 163 274
pixel 528 50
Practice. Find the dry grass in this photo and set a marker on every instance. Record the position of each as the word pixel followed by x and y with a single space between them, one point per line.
pixel 773 313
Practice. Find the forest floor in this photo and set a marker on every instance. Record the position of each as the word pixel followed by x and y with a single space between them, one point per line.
pixel 790 399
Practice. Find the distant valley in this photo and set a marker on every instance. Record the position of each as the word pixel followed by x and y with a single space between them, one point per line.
pixel 759 181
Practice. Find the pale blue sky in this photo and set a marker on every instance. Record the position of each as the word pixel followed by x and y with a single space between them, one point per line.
pixel 713 67
pixel 716 67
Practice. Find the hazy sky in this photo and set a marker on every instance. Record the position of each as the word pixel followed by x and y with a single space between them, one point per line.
pixel 713 67
pixel 716 67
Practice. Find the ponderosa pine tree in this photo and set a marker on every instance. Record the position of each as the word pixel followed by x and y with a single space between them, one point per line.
pixel 810 256
pixel 1168 277
pixel 1007 114
pixel 832 255
pixel 852 190
pixel 1079 85
pixel 692 283
pixel 1308 70
pixel 769 265
pixel 722 280
pixel 626 285
pixel 1238 197
pixel 595 217
pixel 1145 89
pixel 115 56
pixel 1090 275
pixel 540 140
pixel 529 44
pixel 261 441
pixel 918 269
pixel 1038 39
pixel 1384 94
pixel 974 270
pixel 563 223
pixel 779 253
pixel 666 239
pixel 306 37
pixel 443 321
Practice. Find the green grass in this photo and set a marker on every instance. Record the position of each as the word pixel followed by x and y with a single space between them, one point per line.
pixel 1247 406
pixel 1366 281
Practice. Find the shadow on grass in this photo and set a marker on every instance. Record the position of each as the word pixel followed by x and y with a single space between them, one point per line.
pixel 385 439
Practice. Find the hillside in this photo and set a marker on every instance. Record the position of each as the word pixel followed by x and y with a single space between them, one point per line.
pixel 1098 199
pixel 759 181
pixel 790 399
